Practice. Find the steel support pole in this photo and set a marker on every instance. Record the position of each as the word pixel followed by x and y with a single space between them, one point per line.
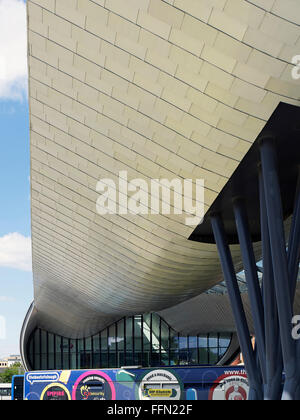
pixel 274 364
pixel 280 265
pixel 294 254
pixel 254 291
pixel 294 243
pixel 256 391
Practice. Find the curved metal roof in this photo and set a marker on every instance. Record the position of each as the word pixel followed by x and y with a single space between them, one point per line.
pixel 161 89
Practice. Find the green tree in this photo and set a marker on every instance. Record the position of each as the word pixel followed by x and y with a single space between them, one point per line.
pixel 7 374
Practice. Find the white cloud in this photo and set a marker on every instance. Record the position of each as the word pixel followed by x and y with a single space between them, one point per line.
pixel 15 252
pixel 6 299
pixel 13 50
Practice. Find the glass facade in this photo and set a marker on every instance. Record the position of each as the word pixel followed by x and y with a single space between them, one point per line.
pixel 141 340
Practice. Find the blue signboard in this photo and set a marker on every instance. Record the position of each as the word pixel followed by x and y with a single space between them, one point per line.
pixel 190 383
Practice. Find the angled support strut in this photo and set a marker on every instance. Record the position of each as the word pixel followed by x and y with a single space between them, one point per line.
pixel 280 265
pixel 256 391
pixel 254 290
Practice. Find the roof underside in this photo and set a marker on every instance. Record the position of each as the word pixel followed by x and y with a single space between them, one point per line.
pixel 283 128
pixel 160 89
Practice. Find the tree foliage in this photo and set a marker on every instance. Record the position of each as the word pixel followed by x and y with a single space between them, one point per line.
pixel 7 374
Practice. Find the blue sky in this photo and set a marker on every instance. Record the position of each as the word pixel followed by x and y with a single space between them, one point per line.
pixel 16 292
pixel 16 283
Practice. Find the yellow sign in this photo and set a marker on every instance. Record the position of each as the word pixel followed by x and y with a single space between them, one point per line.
pixel 65 376
pixel 162 393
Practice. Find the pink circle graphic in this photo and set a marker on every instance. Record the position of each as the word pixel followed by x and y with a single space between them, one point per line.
pixel 95 373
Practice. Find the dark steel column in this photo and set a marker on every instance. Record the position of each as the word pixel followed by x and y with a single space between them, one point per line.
pixel 274 364
pixel 254 291
pixel 280 265
pixel 294 243
pixel 256 392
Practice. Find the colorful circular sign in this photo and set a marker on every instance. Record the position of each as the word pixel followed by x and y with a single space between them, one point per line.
pixel 55 392
pixel 94 385
pixel 230 387
pixel 159 384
